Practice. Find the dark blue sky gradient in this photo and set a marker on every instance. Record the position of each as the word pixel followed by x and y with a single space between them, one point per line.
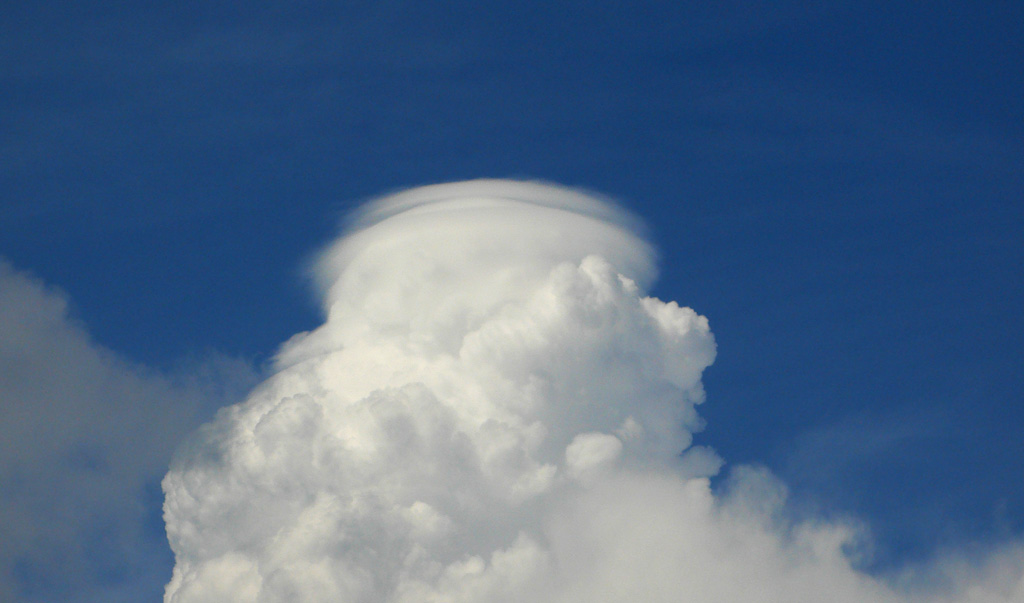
pixel 838 186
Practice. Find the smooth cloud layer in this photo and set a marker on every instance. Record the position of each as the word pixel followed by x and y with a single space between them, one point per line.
pixel 494 411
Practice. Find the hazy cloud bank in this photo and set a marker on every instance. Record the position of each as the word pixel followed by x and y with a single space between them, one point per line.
pixel 86 437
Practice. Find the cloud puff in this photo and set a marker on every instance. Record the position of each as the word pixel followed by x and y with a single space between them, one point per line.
pixel 86 437
pixel 493 411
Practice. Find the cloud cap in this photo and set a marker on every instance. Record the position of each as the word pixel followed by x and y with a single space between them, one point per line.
pixel 441 257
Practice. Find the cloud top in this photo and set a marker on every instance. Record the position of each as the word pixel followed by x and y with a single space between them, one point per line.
pixel 431 264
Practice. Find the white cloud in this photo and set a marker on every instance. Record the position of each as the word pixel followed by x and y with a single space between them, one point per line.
pixel 86 435
pixel 494 411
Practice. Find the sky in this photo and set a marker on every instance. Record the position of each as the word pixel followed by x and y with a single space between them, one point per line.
pixel 837 187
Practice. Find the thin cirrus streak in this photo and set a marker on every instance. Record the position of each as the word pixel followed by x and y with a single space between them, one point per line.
pixel 494 411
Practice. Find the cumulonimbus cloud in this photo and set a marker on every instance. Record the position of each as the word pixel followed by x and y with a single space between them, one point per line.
pixel 493 411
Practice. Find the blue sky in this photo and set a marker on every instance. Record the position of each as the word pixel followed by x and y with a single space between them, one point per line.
pixel 838 187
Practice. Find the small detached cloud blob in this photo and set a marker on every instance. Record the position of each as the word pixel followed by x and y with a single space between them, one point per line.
pixel 494 411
